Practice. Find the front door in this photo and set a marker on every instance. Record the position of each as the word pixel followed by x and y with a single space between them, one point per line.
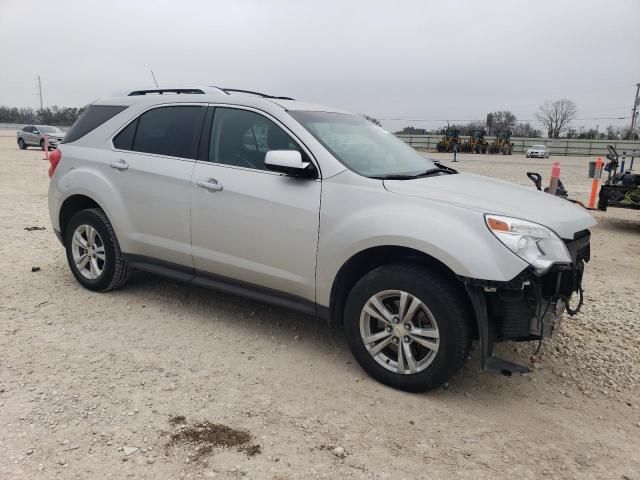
pixel 250 224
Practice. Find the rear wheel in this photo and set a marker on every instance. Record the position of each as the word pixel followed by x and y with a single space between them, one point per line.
pixel 93 251
pixel 21 144
pixel 407 327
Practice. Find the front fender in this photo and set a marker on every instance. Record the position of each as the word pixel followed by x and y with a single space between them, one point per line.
pixel 351 222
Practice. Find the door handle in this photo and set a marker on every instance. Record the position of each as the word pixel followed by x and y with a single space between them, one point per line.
pixel 210 184
pixel 120 165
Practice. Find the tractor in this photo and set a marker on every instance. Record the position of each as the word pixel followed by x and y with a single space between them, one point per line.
pixel 502 143
pixel 449 140
pixel 476 143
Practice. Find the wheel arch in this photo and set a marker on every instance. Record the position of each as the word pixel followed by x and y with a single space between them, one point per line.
pixel 367 260
pixel 72 205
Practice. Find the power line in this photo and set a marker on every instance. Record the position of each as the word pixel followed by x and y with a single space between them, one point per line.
pixel 484 119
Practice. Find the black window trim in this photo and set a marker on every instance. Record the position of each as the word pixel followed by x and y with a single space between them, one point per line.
pixel 203 153
pixel 136 118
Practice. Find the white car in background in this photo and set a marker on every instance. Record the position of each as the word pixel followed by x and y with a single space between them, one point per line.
pixel 538 151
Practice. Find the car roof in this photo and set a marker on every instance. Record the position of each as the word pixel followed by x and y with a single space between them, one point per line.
pixel 209 95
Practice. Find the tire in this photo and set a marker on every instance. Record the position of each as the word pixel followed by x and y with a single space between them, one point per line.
pixel 443 317
pixel 108 272
pixel 42 145
pixel 21 144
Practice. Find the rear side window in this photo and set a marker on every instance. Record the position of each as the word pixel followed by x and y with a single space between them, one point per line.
pixel 90 119
pixel 171 131
pixel 124 140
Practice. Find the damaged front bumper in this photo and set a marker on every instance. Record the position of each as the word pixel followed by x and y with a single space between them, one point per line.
pixel 529 307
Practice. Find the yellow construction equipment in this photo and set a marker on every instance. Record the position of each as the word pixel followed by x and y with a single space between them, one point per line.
pixel 502 143
pixel 476 143
pixel 450 138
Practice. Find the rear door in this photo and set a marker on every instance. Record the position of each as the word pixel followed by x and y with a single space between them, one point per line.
pixel 30 137
pixel 250 224
pixel 152 171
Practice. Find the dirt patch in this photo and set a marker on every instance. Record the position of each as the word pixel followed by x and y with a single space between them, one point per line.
pixel 207 435
pixel 176 420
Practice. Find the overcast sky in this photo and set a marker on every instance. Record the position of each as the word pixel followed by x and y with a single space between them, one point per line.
pixel 426 60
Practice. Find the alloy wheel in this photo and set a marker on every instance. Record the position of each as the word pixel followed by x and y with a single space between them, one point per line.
pixel 88 252
pixel 399 332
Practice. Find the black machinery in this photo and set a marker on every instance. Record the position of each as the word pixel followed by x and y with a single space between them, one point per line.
pixel 621 189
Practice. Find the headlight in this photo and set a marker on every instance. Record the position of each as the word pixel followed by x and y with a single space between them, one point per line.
pixel 536 244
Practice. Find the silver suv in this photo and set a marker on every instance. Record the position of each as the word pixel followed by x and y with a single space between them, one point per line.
pixel 34 136
pixel 315 209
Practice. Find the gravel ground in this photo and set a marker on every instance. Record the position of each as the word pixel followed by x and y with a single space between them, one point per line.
pixel 165 380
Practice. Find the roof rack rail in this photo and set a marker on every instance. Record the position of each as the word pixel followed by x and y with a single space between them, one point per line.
pixel 251 92
pixel 161 91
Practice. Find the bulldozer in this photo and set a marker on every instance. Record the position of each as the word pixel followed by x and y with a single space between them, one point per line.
pixel 502 143
pixel 476 143
pixel 450 138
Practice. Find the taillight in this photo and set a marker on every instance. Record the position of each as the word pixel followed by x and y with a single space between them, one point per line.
pixel 54 160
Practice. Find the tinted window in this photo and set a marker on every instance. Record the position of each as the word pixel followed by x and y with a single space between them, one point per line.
pixel 124 140
pixel 171 131
pixel 27 129
pixel 92 117
pixel 242 138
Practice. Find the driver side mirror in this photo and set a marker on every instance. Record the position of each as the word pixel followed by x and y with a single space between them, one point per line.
pixel 289 162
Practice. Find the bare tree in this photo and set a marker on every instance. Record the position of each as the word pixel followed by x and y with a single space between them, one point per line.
pixel 556 116
pixel 525 130
pixel 500 120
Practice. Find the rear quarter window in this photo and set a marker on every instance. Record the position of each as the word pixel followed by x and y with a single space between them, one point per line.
pixel 92 117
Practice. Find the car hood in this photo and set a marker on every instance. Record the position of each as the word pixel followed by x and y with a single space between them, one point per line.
pixel 489 195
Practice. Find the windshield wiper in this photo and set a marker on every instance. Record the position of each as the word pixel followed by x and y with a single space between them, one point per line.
pixel 427 173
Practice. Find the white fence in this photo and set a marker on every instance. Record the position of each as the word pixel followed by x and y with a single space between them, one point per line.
pixel 557 146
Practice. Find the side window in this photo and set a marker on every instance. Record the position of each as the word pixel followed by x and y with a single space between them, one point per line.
pixel 171 131
pixel 242 138
pixel 91 118
pixel 27 129
pixel 124 140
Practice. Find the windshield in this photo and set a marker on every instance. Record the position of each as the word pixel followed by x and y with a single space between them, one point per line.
pixel 541 147
pixel 49 129
pixel 362 146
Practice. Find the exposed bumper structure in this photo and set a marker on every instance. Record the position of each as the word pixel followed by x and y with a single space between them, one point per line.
pixel 528 307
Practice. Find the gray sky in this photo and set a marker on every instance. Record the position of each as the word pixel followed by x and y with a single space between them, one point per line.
pixel 424 59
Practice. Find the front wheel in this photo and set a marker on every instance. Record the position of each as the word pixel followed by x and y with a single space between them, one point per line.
pixel 42 145
pixel 21 144
pixel 408 327
pixel 93 251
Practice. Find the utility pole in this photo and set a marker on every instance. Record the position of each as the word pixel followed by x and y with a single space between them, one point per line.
pixel 634 116
pixel 40 92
